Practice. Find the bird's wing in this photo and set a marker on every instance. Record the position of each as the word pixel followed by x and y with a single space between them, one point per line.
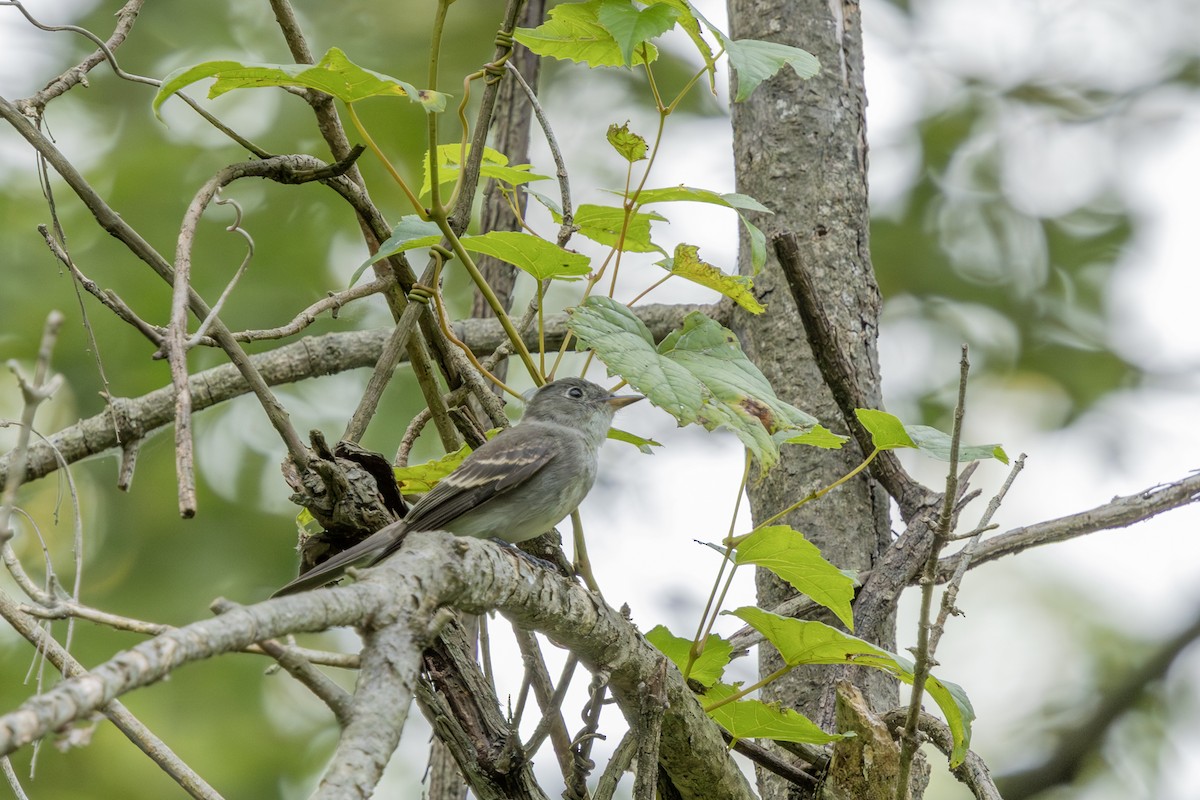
pixel 486 473
pixel 497 467
pixel 386 539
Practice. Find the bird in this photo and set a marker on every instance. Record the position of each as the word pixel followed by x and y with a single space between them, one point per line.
pixel 514 487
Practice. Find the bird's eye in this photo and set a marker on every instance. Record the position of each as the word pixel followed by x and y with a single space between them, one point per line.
pixel 575 392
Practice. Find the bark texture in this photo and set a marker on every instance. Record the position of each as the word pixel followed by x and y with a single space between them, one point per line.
pixel 510 126
pixel 800 148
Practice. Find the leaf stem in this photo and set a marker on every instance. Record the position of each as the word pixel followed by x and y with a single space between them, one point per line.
pixel 651 288
pixel 362 131
pixel 630 205
pixel 687 87
pixel 443 223
pixel 431 121
pixel 738 695
pixel 448 332
pixel 658 103
pixel 583 564
pixel 541 296
pixel 819 493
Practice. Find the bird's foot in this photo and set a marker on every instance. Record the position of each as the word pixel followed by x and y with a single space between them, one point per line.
pixel 538 562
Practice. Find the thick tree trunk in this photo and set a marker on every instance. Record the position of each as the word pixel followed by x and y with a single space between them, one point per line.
pixel 800 148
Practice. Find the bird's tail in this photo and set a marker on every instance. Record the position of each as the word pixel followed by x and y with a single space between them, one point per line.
pixel 383 542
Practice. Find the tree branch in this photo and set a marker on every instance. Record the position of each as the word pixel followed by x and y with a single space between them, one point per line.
pixel 973 772
pixel 1120 512
pixel 34 106
pixel 141 736
pixel 835 361
pixel 295 168
pixel 312 357
pixel 382 698
pixel 34 392
pixel 461 706
pixel 126 16
pixel 926 641
pixel 431 571
pixel 900 563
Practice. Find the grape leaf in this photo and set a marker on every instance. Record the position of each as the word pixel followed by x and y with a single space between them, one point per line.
pixel 698 374
pixel 738 202
pixel 534 255
pixel 708 666
pixel 628 144
pixel 754 719
pixel 334 74
pixel 755 61
pixel 785 551
pixel 632 27
pixel 410 233
pixel 574 32
pixel 602 224
pixel 687 264
pixel 808 642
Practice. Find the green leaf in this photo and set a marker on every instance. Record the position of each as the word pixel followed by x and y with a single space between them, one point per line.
pixel 786 552
pixel 410 232
pixel 551 204
pixel 677 193
pixel 573 32
pixel 807 642
pixel 758 244
pixel 687 264
pixel 640 442
pixel 698 374
pixel 307 523
pixel 631 26
pixel 708 668
pixel 936 444
pixel 819 436
pixel 603 224
pixel 494 164
pixel 513 175
pixel 334 74
pixel 539 258
pixel 754 719
pixel 186 76
pixel 628 144
pixel 687 19
pixel 738 202
pixel 448 157
pixel 887 431
pixel 626 346
pixel 420 478
pixel 755 61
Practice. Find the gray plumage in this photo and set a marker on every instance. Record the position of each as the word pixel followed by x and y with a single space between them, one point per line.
pixel 515 487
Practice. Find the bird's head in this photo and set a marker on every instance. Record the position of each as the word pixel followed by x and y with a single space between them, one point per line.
pixel 577 403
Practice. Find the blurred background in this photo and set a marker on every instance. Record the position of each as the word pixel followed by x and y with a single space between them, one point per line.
pixel 1032 177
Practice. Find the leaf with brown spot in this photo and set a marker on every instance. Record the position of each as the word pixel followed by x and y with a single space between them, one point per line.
pixel 698 374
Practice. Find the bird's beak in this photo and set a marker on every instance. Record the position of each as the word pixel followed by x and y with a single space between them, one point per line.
pixel 622 400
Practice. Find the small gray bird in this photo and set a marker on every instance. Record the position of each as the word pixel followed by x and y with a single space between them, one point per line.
pixel 515 487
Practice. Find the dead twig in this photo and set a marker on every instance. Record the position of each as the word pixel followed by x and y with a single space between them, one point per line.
pixel 133 729
pixel 925 650
pixel 34 392
pixel 973 772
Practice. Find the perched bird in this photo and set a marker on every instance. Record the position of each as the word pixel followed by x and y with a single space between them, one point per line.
pixel 515 487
